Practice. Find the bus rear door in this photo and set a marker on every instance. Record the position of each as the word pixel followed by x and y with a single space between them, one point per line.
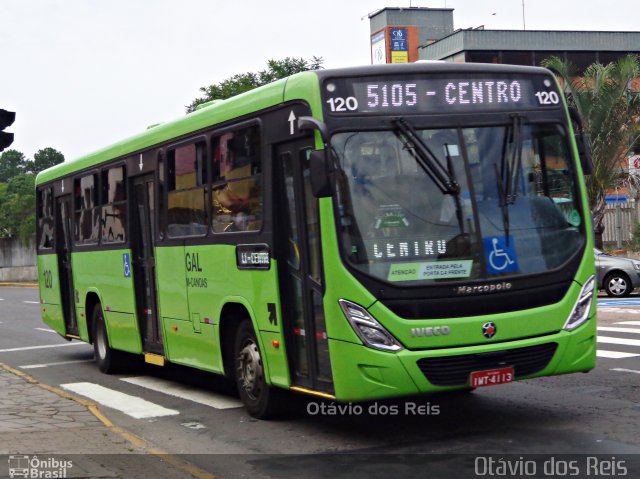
pixel 142 236
pixel 64 211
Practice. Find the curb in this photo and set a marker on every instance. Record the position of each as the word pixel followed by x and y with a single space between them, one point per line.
pixel 134 440
pixel 18 285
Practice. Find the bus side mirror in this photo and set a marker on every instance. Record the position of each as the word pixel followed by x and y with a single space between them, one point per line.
pixel 320 161
pixel 582 142
pixel 320 173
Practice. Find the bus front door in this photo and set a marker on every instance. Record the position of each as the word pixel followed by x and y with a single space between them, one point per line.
pixel 144 265
pixel 301 278
pixel 64 210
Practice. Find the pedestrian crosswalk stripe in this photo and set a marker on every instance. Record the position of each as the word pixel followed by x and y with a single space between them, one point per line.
pixel 622 370
pixel 614 354
pixel 630 323
pixel 625 341
pixel 208 398
pixel 131 405
pixel 619 330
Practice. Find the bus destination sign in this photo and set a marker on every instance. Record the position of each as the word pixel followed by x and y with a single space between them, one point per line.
pixel 393 95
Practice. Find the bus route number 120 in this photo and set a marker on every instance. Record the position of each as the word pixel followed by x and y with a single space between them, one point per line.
pixel 343 104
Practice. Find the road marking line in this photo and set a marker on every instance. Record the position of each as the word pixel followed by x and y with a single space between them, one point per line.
pixel 614 354
pixel 622 370
pixel 59 363
pixel 130 405
pixel 630 323
pixel 207 398
pixel 619 330
pixel 628 342
pixel 46 330
pixel 618 310
pixel 32 302
pixel 27 348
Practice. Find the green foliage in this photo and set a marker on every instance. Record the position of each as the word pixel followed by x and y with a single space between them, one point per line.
pixel 12 163
pixel 17 206
pixel 611 118
pixel 634 243
pixel 242 82
pixel 17 190
pixel 45 158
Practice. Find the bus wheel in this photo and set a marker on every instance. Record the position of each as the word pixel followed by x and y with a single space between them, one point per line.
pixel 109 360
pixel 259 398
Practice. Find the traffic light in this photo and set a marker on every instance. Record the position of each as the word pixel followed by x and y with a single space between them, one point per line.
pixel 6 119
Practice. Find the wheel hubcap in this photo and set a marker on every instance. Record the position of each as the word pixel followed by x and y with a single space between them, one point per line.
pixel 250 369
pixel 617 285
pixel 101 341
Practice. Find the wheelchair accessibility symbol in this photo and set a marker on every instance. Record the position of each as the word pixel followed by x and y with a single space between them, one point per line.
pixel 501 256
pixel 126 265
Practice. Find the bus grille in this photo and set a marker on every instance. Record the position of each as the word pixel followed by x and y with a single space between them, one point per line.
pixel 455 370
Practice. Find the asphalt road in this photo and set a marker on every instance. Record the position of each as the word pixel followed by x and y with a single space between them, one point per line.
pixel 194 414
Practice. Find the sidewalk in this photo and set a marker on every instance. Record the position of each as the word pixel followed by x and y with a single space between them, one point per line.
pixel 51 431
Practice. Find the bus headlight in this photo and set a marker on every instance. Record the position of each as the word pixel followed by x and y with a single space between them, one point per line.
pixel 370 331
pixel 580 312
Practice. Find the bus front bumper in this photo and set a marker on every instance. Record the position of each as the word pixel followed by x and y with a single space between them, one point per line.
pixel 362 373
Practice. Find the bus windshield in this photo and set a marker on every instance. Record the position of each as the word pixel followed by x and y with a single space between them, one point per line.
pixel 437 205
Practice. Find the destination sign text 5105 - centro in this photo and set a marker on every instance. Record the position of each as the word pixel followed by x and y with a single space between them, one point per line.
pixel 438 95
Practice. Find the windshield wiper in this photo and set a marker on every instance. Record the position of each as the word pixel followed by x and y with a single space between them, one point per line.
pixel 507 178
pixel 512 165
pixel 443 178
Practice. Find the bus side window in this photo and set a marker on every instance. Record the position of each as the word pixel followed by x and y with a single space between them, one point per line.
pixel 186 215
pixel 45 218
pixel 87 214
pixel 237 173
pixel 114 209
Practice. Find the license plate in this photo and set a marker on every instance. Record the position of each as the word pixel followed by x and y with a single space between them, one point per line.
pixel 491 377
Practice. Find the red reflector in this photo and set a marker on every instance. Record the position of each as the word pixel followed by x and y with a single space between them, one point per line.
pixel 175 328
pixel 321 335
pixel 207 321
pixel 275 343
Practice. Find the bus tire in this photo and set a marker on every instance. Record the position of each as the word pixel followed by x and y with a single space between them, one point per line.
pixel 109 360
pixel 260 400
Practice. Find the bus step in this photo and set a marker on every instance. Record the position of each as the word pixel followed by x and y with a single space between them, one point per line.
pixel 154 359
pixel 311 391
pixel 72 336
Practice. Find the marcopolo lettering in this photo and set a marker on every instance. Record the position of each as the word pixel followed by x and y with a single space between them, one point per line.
pixel 484 288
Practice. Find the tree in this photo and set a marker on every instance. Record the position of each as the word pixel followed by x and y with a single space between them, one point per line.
pixel 45 158
pixel 610 113
pixel 17 207
pixel 12 163
pixel 17 190
pixel 243 82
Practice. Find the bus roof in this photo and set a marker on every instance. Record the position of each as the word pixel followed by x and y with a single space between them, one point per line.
pixel 298 86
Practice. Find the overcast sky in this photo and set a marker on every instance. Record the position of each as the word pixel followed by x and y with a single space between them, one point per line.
pixel 82 74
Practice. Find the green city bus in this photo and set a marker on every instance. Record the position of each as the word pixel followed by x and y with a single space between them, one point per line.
pixel 356 234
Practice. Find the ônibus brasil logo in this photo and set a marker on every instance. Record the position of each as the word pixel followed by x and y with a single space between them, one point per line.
pixel 34 467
